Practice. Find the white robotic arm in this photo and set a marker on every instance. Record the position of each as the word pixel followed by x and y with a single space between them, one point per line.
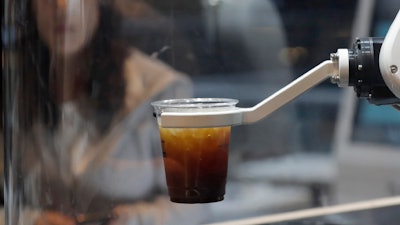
pixel 389 59
pixel 371 67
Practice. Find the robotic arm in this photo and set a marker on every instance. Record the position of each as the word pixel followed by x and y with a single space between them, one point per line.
pixel 371 66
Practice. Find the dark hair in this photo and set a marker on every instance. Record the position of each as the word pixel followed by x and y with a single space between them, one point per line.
pixel 105 89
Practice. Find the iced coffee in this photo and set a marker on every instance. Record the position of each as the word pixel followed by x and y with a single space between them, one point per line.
pixel 195 159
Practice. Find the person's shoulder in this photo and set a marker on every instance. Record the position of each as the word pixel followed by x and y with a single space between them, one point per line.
pixel 149 69
pixel 147 76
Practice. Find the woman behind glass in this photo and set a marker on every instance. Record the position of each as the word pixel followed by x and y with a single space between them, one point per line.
pixel 86 139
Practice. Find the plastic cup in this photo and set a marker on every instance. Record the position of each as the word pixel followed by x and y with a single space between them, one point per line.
pixel 195 159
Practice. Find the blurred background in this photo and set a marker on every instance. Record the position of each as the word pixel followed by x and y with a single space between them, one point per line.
pixel 323 148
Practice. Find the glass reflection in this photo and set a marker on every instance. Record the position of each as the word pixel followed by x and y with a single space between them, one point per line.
pixel 84 146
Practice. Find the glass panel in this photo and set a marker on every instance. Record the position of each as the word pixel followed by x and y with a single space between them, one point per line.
pixel 81 144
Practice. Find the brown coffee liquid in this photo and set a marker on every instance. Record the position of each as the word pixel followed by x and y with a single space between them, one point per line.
pixel 196 161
